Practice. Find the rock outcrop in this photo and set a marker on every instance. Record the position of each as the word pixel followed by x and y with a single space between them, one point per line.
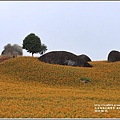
pixel 63 58
pixel 114 56
pixel 84 57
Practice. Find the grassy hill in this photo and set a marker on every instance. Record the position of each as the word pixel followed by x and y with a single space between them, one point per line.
pixel 33 89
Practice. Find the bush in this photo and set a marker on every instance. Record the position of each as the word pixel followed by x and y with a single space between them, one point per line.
pixel 85 80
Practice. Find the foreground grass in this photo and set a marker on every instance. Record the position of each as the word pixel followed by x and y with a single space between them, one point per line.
pixel 32 89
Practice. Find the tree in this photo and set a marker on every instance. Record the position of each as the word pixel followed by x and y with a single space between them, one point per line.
pixel 32 44
pixel 43 49
pixel 18 49
pixel 7 46
pixel 12 50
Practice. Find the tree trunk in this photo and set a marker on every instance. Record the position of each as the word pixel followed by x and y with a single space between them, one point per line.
pixel 32 54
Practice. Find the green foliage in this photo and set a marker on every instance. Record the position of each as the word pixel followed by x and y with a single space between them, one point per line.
pixel 85 79
pixel 32 44
pixel 43 48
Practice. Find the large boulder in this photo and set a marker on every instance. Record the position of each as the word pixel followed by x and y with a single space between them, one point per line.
pixel 114 56
pixel 84 57
pixel 63 58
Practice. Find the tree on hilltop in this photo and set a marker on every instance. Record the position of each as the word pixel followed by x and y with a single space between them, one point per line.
pixel 12 50
pixel 32 44
pixel 43 49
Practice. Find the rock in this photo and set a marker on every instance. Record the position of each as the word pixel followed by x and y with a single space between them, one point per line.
pixel 84 57
pixel 63 58
pixel 85 81
pixel 85 64
pixel 114 56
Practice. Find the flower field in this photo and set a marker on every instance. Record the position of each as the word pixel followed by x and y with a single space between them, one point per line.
pixel 33 89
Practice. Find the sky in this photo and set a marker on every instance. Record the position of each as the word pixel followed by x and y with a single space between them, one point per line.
pixel 91 28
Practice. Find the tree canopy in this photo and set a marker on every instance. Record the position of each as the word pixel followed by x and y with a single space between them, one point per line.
pixel 32 44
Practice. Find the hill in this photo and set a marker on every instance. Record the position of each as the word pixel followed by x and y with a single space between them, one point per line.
pixel 102 75
pixel 30 88
pixel 3 58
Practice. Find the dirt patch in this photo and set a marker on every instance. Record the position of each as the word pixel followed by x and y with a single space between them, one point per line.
pixel 3 58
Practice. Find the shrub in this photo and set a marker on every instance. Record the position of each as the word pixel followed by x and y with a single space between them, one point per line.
pixel 85 80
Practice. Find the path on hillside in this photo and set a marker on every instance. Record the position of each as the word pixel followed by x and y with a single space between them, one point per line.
pixel 2 59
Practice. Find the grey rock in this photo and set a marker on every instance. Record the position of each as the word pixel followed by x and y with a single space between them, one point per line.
pixel 63 58
pixel 84 57
pixel 114 56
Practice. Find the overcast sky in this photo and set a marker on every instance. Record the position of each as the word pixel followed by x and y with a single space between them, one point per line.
pixel 91 28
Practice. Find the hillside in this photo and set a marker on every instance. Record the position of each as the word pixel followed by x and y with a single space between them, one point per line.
pixel 3 58
pixel 102 74
pixel 41 90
